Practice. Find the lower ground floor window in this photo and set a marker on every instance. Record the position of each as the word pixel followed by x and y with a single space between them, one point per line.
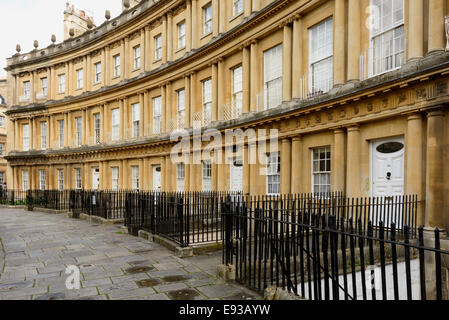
pixel 321 170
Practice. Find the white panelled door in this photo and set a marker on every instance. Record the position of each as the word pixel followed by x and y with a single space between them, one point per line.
pixel 95 178
pixel 157 178
pixel 236 176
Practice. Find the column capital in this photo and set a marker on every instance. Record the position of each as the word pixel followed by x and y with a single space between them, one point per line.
pixel 286 140
pixel 339 130
pixel 413 116
pixel 434 111
pixel 297 138
pixel 253 41
pixel 353 128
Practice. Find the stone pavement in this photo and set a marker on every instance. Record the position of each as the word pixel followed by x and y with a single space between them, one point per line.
pixel 36 248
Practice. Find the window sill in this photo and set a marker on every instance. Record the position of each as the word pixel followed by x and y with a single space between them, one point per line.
pixel 180 49
pixel 157 61
pixel 115 77
pixel 136 69
pixel 206 35
pixel 238 15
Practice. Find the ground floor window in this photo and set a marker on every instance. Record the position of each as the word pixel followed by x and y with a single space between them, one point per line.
pixel 2 178
pixel 25 180
pixel 135 178
pixel 321 170
pixel 42 179
pixel 207 175
pixel 60 179
pixel 180 176
pixel 78 183
pixel 274 173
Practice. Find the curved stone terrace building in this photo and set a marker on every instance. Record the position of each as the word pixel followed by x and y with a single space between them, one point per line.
pixel 357 89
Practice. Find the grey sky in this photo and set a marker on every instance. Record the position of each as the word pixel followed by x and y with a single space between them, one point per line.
pixel 23 21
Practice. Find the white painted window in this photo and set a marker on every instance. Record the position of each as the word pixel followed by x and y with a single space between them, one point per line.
pixel 135 177
pixel 2 178
pixel 273 77
pixel 42 179
pixel 180 176
pixel 207 175
pixel 117 65
pixel 136 119
pixel 115 177
pixel 60 179
pixel 136 57
pixel 115 124
pixel 2 121
pixel 321 57
pixel 238 7
pixel 207 101
pixel 274 173
pixel 79 78
pixel 25 184
pixel 181 95
pixel 2 149
pixel 387 36
pixel 43 135
pixel 26 89
pixel 97 128
pixel 321 170
pixel 97 67
pixel 79 131
pixel 78 181
pixel 44 86
pixel 237 92
pixel 61 83
pixel 207 12
pixel 61 133
pixel 26 137
pixel 157 115
pixel 181 35
pixel 158 48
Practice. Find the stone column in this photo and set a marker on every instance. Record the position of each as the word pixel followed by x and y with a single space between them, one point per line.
pixel 354 28
pixel 32 87
pixel 246 173
pixel 297 66
pixel 164 39
pixel 339 161
pixel 253 169
pixel 195 21
pixel 221 89
pixel 189 25
pixel 247 7
pixel 286 166
pixel 66 129
pixel 50 182
pixel 163 109
pixel 168 106
pixel 287 63
pixel 84 121
pixel 435 184
pixel 16 135
pixel 142 50
pixel 141 174
pixel 215 17
pixel 221 173
pixel 187 101
pixel 436 26
pixel 168 175
pixel 214 92
pixel 223 16
pixel 142 110
pixel 49 131
pixel 107 66
pixel 85 75
pixel 147 49
pixel 169 36
pixel 414 147
pixel 147 113
pixel 296 176
pixel 125 176
pixel 353 178
pixel 162 159
pixel 246 78
pixel 416 29
pixel 125 118
pixel 122 60
pixel 103 67
pixel 88 73
pixel 50 83
pixel 257 5
pixel 254 75
pixel 31 134
pixel 339 56
pixel 102 123
pixel 193 174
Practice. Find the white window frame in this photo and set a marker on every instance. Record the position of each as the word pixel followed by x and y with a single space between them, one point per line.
pixel 181 35
pixel 237 92
pixel 44 86
pixel 60 179
pixel 273 77
pixel 61 83
pixel 115 119
pixel 136 119
pixel 237 7
pixel 26 137
pixel 321 178
pixel 117 65
pixel 97 70
pixel 2 178
pixel 78 179
pixel 207 19
pixel 137 55
pixel 207 175
pixel 381 33
pixel 78 131
pixel 135 178
pixel 2 149
pixel 115 178
pixel 274 174
pixel 2 121
pixel 44 135
pixel 158 47
pixel 321 61
pixel 180 177
pixel 207 101
pixel 25 180
pixel 97 128
pixel 26 89
pixel 61 133
pixel 80 78
pixel 157 115
pixel 181 116
pixel 42 180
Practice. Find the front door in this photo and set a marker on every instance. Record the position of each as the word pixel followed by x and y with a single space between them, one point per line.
pixel 387 175
pixel 236 176
pixel 95 178
pixel 157 178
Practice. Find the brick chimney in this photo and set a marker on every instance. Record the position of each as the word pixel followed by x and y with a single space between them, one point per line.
pixel 77 20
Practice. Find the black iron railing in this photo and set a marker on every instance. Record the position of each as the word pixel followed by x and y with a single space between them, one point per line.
pixel 322 254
